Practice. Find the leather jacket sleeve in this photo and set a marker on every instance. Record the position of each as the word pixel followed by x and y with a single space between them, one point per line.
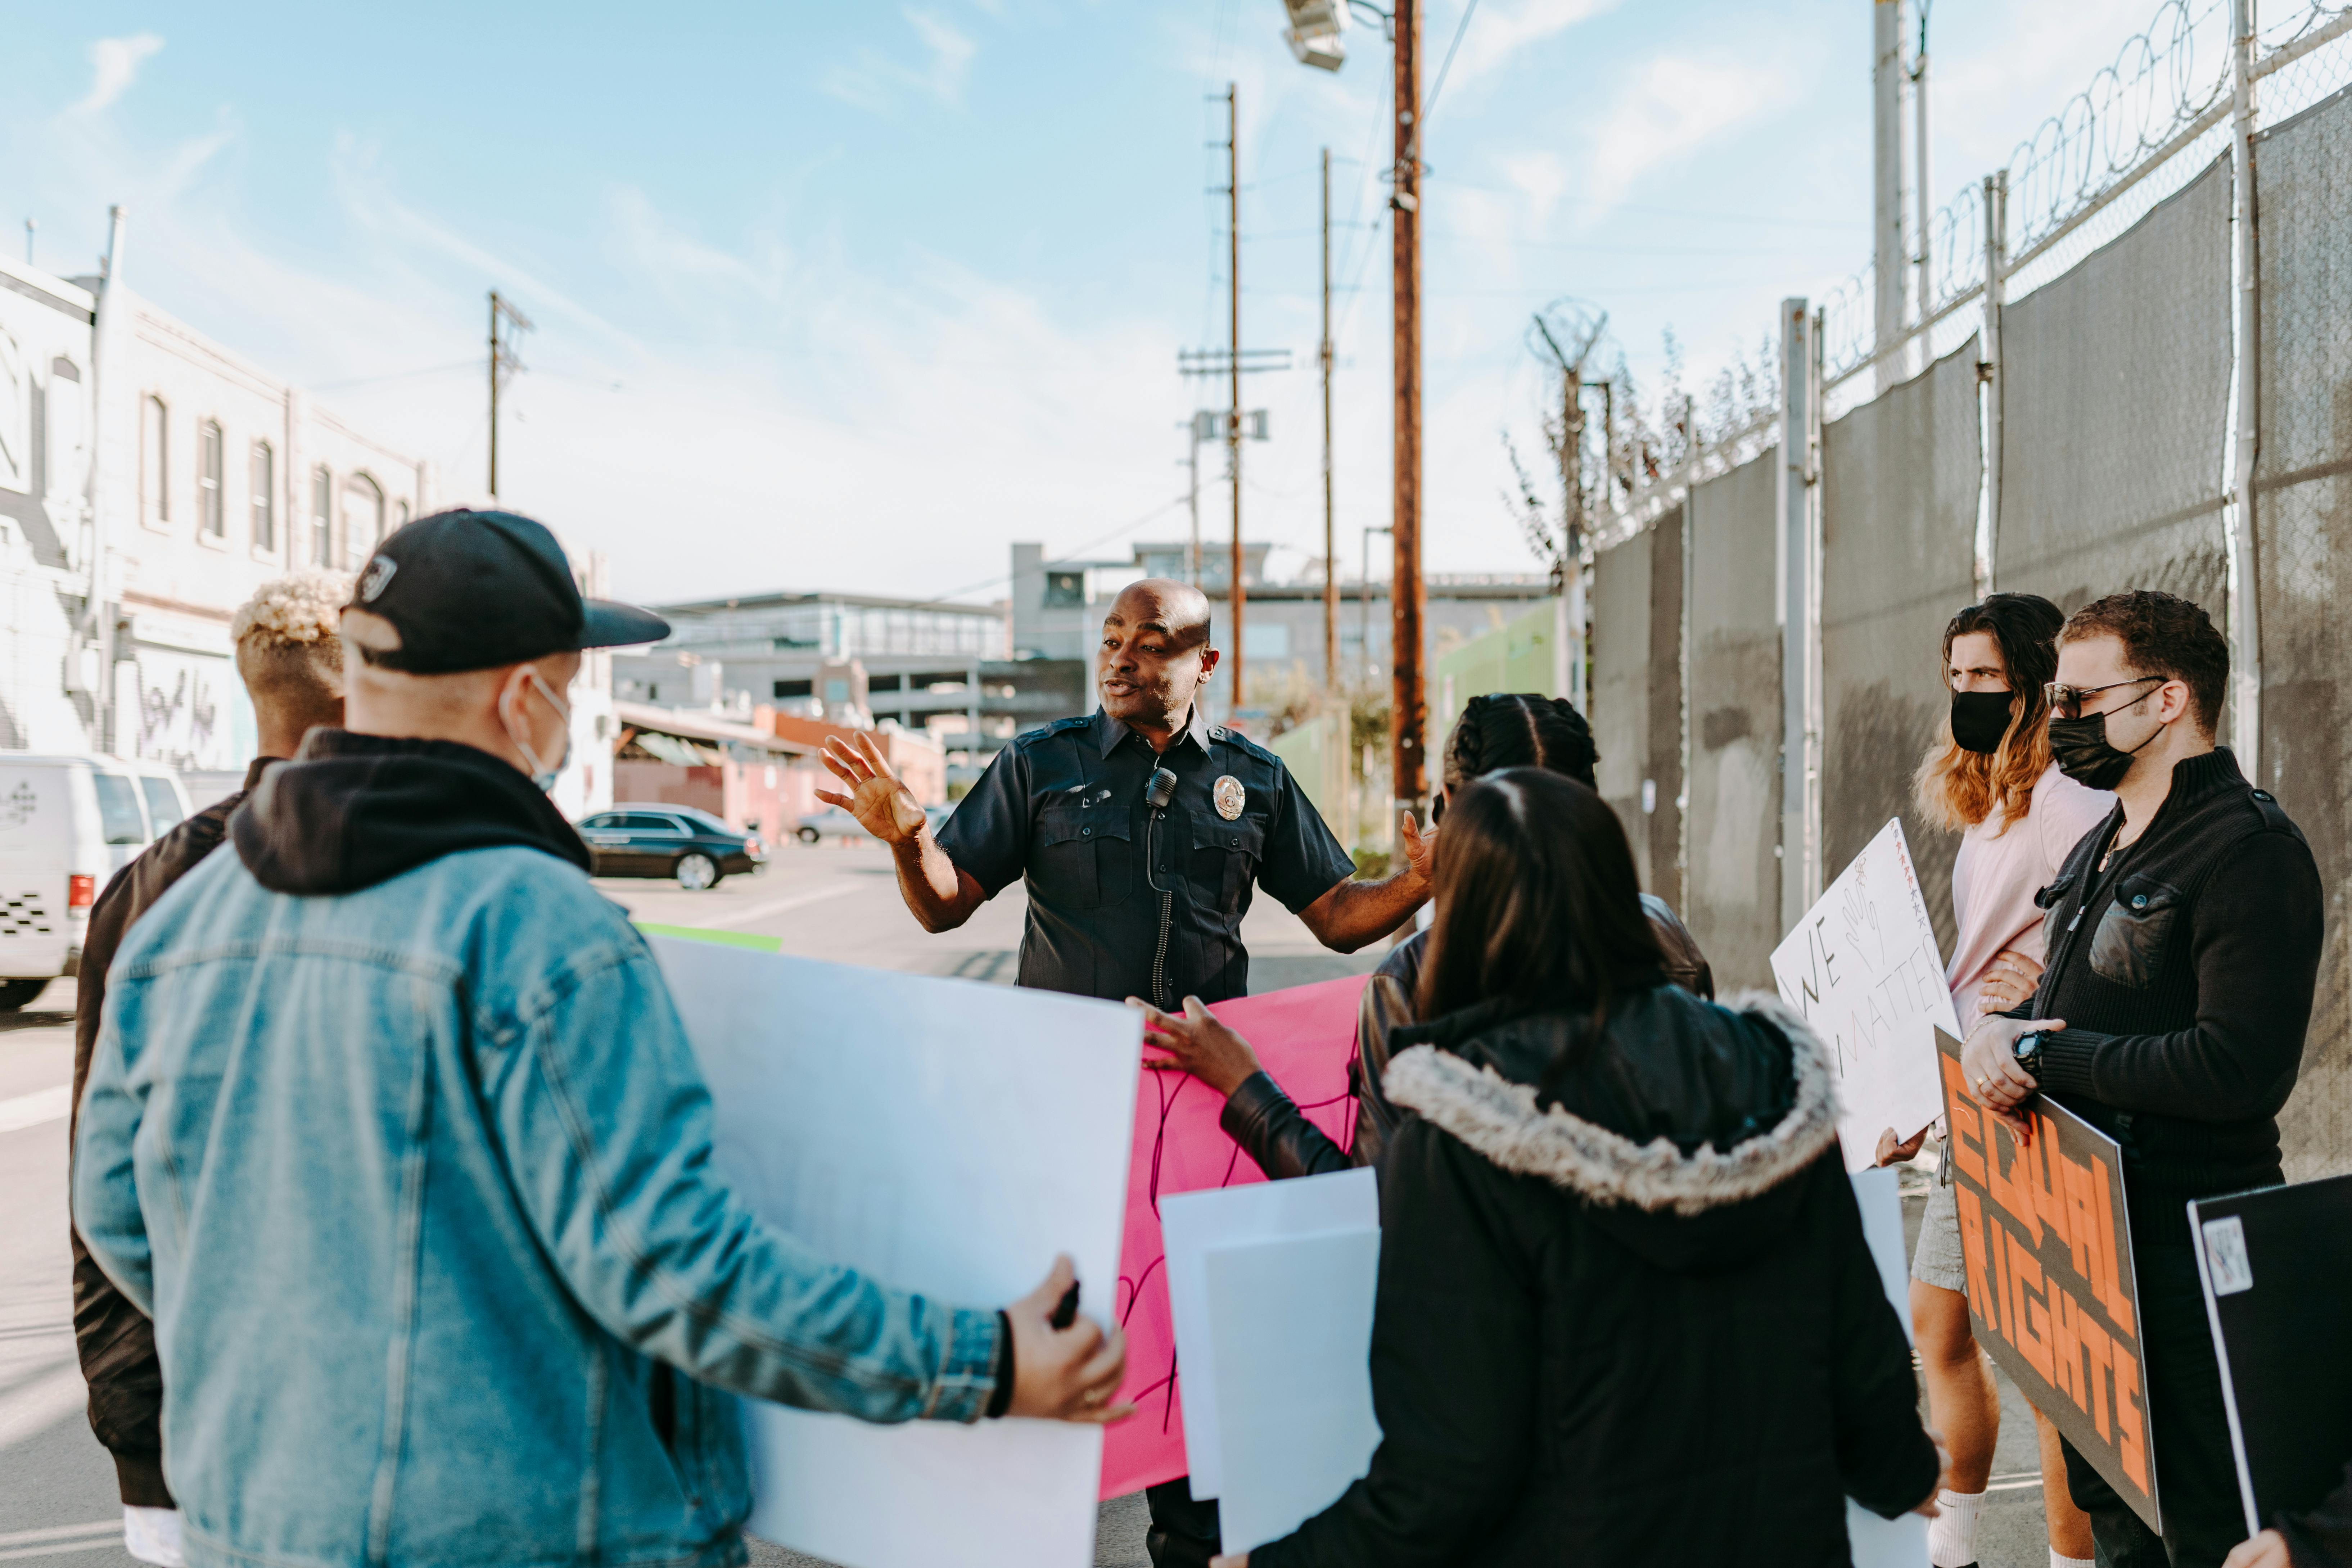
pixel 1685 965
pixel 1276 1134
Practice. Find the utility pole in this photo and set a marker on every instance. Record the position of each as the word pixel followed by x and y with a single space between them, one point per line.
pixel 1233 370
pixel 1408 713
pixel 1581 332
pixel 504 363
pixel 1330 547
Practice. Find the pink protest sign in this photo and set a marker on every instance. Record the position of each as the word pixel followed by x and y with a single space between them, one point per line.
pixel 1304 1036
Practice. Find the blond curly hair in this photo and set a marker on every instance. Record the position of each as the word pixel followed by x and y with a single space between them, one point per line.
pixel 290 651
pixel 304 607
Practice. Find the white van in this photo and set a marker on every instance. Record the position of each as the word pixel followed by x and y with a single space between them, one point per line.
pixel 67 824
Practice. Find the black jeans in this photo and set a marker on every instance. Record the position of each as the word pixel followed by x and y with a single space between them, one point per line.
pixel 2196 1473
pixel 1183 1532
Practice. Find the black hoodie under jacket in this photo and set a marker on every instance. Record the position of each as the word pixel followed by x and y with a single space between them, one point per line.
pixel 1638 1325
pixel 351 811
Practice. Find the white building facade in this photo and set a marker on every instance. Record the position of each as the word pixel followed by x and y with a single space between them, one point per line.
pixel 150 481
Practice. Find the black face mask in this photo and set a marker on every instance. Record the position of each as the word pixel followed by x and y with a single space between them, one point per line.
pixel 2080 747
pixel 1979 720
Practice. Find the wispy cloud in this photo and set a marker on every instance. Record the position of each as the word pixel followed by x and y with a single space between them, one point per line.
pixel 1541 178
pixel 113 67
pixel 1498 31
pixel 1673 106
pixel 874 81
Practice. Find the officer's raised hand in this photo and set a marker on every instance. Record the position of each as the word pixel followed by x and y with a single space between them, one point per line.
pixel 1420 848
pixel 878 796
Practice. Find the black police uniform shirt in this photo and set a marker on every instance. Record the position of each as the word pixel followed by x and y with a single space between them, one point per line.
pixel 1118 901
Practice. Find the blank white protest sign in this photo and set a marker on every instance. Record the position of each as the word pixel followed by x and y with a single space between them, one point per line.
pixel 944 1137
pixel 1194 1224
pixel 1292 1322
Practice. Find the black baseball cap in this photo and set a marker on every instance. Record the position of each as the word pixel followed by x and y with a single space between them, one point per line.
pixel 474 590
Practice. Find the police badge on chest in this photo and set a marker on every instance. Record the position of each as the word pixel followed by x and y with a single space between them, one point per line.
pixel 1229 796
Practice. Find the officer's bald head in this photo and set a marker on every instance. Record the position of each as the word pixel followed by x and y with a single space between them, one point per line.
pixel 1155 654
pixel 1178 608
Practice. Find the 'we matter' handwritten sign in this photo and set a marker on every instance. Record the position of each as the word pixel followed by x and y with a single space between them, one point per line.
pixel 1864 970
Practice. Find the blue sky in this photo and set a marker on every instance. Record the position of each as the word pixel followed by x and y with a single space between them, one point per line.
pixel 853 296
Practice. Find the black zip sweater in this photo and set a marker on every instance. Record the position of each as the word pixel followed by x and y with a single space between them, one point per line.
pixel 2184 970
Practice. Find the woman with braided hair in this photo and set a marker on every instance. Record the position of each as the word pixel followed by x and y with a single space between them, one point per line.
pixel 1497 731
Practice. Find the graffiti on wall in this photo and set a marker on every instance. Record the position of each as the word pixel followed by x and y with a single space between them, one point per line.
pixel 183 710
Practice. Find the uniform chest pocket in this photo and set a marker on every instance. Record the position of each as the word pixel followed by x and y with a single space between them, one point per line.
pixel 1225 857
pixel 2051 898
pixel 2130 946
pixel 1083 857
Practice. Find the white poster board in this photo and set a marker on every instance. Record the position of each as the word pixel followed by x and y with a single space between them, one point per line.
pixel 1863 969
pixel 1292 1322
pixel 1900 1541
pixel 945 1137
pixel 1192 1225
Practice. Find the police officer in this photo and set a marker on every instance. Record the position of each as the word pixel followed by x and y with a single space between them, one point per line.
pixel 1137 882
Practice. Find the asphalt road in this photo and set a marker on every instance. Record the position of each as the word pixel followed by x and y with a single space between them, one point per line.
pixel 57 1501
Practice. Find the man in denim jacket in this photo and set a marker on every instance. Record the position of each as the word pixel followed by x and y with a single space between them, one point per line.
pixel 394 1130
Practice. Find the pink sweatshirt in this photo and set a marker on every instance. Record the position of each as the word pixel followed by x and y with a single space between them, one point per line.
pixel 1997 873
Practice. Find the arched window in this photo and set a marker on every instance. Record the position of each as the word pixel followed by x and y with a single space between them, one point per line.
pixel 212 516
pixel 263 478
pixel 322 517
pixel 154 462
pixel 362 520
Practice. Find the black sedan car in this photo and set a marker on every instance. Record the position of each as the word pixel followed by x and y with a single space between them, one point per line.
pixel 680 841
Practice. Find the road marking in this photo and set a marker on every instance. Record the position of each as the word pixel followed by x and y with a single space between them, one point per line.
pixel 733 919
pixel 59 1548
pixel 60 1533
pixel 37 1405
pixel 32 1110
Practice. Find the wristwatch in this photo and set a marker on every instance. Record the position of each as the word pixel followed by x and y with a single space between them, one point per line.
pixel 2027 1053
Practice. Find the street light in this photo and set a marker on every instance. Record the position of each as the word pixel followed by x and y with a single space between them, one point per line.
pixel 1317 35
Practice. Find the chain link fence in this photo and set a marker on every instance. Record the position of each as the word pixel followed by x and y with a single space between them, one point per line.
pixel 2071 426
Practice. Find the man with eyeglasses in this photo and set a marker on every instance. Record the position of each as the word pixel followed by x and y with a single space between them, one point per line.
pixel 2184 941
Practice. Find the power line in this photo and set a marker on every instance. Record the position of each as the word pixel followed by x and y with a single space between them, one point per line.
pixel 397 375
pixel 1430 107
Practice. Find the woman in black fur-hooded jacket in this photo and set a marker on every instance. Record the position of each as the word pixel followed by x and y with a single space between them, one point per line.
pixel 1625 1312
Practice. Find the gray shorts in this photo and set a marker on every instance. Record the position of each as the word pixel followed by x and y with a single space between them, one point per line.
pixel 1936 1260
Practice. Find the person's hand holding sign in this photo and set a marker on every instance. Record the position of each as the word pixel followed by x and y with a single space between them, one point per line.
pixel 1198 1044
pixel 1064 1371
pixel 1988 1060
pixel 879 798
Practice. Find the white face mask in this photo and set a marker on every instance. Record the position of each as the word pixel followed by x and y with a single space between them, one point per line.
pixel 544 777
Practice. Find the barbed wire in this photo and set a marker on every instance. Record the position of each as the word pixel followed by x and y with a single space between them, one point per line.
pixel 2162 80
pixel 2300 22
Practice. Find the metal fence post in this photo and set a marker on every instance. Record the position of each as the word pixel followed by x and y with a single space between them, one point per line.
pixel 1996 269
pixel 1798 556
pixel 2238 517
